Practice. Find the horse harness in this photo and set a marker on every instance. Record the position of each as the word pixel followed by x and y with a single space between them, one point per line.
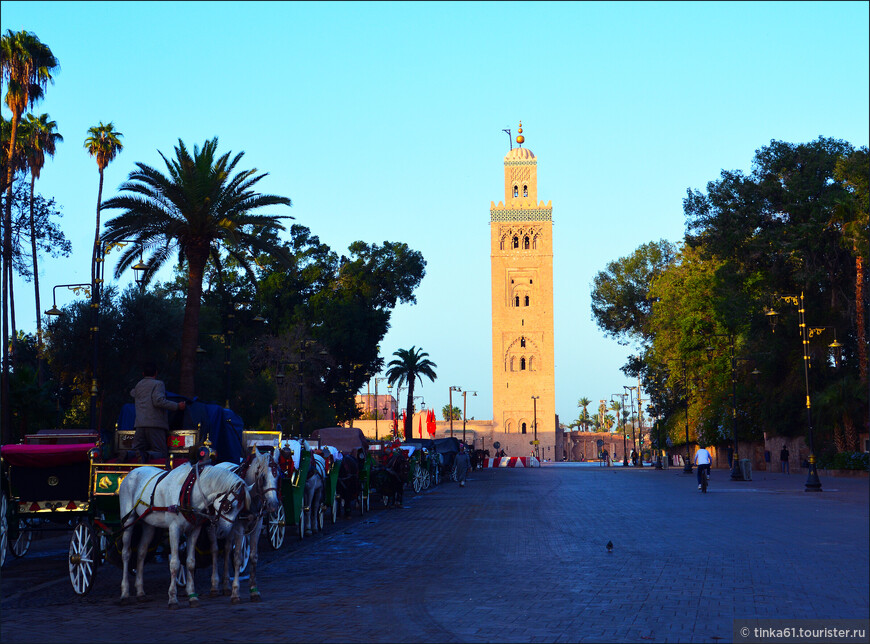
pixel 184 507
pixel 252 517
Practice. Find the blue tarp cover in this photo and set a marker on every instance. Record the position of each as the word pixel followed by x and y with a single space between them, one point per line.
pixel 222 426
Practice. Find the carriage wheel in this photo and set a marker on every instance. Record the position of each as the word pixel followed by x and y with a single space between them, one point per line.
pixel 386 501
pixel 418 480
pixel 437 475
pixel 427 479
pixel 21 543
pixel 362 503
pixel 335 509
pixel 277 523
pixel 302 523
pixel 369 501
pixel 4 528
pixel 83 557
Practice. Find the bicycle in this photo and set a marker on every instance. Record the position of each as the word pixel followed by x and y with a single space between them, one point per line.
pixel 705 477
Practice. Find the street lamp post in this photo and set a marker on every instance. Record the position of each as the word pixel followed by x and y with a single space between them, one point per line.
pixel 687 467
pixel 618 414
pixel 376 405
pixel 94 329
pixel 535 423
pixel 736 472
pixel 450 407
pixel 813 483
pixel 473 393
pixel 631 413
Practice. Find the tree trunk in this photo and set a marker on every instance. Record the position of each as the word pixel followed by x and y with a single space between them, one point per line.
pixel 839 443
pixel 95 250
pixel 196 260
pixel 860 322
pixel 409 419
pixel 5 410
pixel 36 285
pixel 850 435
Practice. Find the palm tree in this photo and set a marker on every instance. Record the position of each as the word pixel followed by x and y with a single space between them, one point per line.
pixel 196 210
pixel 26 65
pixel 584 402
pixel 104 144
pixel 40 139
pixel 410 365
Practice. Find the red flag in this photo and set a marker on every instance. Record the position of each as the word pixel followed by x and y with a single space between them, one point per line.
pixel 420 425
pixel 430 422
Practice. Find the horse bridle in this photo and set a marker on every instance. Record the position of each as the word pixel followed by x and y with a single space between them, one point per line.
pixel 229 498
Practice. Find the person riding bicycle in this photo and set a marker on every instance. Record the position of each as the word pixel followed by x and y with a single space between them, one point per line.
pixel 702 461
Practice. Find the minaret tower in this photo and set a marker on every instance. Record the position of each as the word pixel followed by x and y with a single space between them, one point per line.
pixel 521 242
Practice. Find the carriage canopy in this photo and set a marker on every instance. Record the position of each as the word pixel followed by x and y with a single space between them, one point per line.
pixel 346 439
pixel 222 426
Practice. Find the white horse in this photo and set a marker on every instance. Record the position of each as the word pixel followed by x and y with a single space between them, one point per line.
pixel 182 500
pixel 313 493
pixel 261 474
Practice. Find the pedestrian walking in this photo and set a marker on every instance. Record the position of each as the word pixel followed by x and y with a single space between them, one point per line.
pixel 152 415
pixel 462 465
pixel 783 460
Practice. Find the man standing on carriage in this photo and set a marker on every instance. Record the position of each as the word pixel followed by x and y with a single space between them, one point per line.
pixel 152 415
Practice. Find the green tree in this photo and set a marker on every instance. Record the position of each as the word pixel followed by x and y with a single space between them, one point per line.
pixel 41 139
pixel 457 412
pixel 26 65
pixel 197 209
pixel 620 300
pixel 409 366
pixel 103 143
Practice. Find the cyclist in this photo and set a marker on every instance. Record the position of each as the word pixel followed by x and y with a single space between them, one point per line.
pixel 702 461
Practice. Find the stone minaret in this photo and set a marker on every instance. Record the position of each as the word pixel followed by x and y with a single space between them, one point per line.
pixel 521 245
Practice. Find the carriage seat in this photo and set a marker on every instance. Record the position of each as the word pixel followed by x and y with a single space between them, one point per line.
pixel 179 442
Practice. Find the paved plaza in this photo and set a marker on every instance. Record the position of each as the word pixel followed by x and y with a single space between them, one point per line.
pixel 516 556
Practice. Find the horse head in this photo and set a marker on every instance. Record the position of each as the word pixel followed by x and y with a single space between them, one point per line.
pixel 228 497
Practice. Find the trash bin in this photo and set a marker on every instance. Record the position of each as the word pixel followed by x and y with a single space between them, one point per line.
pixel 746 469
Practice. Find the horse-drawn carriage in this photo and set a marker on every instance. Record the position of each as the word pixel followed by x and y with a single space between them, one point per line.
pixel 61 480
pixel 57 480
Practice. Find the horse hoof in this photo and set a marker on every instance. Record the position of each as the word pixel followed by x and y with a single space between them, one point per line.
pixel 126 601
pixel 235 600
pixel 214 593
pixel 173 606
pixel 142 598
pixel 307 532
pixel 194 602
pixel 255 597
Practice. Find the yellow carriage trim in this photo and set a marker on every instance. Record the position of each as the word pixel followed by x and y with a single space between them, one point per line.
pixel 45 507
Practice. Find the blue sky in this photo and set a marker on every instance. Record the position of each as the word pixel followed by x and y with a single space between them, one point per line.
pixel 382 121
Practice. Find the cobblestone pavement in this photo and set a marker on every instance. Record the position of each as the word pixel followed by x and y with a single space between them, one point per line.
pixel 516 556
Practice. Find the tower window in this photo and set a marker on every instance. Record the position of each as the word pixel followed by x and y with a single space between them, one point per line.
pixel 527 300
pixel 530 281
pixel 525 191
pixel 522 364
pixel 516 191
pixel 516 242
pixel 524 428
pixel 522 341
pixel 526 243
pixel 517 300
